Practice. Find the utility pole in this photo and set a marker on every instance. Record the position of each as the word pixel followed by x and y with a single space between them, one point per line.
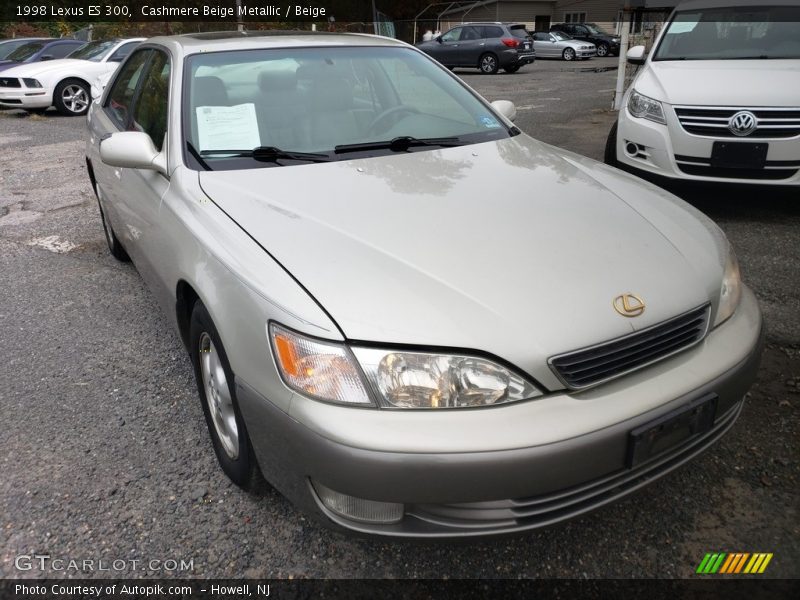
pixel 239 22
pixel 623 50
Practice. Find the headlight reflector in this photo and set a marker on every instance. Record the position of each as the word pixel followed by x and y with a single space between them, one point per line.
pixel 643 107
pixel 32 83
pixel 322 370
pixel 731 290
pixel 423 380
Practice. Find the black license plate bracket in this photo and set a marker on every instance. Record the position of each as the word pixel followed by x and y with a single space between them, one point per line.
pixel 667 431
pixel 739 155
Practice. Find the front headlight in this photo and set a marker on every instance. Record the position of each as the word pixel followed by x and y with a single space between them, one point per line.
pixel 643 107
pixel 32 83
pixel 426 380
pixel 731 290
pixel 397 379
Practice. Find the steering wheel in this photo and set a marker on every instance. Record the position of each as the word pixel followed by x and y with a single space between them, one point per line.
pixel 383 118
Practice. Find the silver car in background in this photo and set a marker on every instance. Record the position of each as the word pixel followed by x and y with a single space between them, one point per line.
pixel 555 44
pixel 378 321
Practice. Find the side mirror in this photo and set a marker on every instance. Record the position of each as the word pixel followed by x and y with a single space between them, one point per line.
pixel 132 150
pixel 636 55
pixel 505 108
pixel 46 57
pixel 438 38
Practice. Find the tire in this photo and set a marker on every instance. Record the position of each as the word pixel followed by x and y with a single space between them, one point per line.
pixel 72 97
pixel 214 376
pixel 488 64
pixel 610 157
pixel 568 54
pixel 114 245
pixel 602 49
pixel 511 70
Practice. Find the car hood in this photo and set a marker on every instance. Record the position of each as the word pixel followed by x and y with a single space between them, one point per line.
pixel 722 82
pixel 38 69
pixel 508 247
pixel 8 64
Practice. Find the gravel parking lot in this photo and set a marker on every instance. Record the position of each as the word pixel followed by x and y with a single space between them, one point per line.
pixel 106 454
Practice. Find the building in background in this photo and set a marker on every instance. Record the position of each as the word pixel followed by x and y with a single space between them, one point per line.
pixel 538 15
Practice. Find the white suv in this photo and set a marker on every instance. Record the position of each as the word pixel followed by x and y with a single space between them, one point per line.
pixel 719 97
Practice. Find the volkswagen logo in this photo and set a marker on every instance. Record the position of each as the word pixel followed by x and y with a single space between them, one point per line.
pixel 629 305
pixel 743 123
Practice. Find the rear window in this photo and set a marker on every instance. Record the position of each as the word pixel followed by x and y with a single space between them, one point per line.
pixel 519 31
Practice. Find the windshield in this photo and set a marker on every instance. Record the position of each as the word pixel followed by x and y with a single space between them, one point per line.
pixel 334 102
pixel 25 52
pixel 560 36
pixel 756 32
pixel 94 51
pixel 8 47
pixel 595 30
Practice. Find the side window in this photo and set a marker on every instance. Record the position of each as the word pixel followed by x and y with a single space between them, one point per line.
pixel 581 31
pixel 123 51
pixel 471 33
pixel 60 50
pixel 492 32
pixel 119 99
pixel 541 37
pixel 150 109
pixel 453 35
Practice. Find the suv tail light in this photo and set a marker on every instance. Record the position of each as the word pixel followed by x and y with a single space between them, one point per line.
pixel 510 42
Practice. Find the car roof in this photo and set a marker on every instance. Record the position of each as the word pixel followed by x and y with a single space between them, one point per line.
pixel 194 43
pixel 701 4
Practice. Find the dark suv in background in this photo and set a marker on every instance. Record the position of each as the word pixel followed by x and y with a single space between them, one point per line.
pixel 484 46
pixel 589 32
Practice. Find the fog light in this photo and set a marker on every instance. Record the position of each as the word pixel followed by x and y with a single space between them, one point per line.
pixel 631 149
pixel 358 509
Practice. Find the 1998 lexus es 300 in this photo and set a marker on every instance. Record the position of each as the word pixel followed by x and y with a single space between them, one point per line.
pixel 381 321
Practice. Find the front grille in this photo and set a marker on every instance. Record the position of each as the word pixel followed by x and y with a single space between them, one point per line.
pixel 713 122
pixel 611 359
pixel 9 82
pixel 773 170
pixel 540 511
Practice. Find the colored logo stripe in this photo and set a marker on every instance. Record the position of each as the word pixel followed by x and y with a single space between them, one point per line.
pixel 734 562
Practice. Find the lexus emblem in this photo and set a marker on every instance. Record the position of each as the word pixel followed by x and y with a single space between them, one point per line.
pixel 743 123
pixel 629 305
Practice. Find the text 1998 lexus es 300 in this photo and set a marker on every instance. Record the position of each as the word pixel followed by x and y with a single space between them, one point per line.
pixel 380 323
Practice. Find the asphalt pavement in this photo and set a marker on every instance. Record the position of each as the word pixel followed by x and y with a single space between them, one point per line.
pixel 106 454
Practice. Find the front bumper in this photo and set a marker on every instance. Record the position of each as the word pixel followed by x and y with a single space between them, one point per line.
pixel 581 53
pixel 24 97
pixel 669 151
pixel 456 482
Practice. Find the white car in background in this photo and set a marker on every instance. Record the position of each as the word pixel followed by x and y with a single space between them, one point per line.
pixel 64 83
pixel 718 99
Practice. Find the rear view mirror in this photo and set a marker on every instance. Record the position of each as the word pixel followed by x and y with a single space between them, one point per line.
pixel 132 150
pixel 46 57
pixel 505 108
pixel 636 55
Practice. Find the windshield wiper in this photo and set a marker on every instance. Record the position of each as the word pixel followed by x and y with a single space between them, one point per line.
pixel 399 144
pixel 268 154
pixel 193 151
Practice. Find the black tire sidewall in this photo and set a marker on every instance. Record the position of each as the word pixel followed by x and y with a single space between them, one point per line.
pixel 610 155
pixel 241 469
pixel 60 105
pixel 607 49
pixel 113 243
pixel 569 52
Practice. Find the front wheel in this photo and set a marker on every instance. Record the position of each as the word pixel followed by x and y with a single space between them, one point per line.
pixel 114 245
pixel 602 50
pixel 568 54
pixel 72 98
pixel 215 385
pixel 488 64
